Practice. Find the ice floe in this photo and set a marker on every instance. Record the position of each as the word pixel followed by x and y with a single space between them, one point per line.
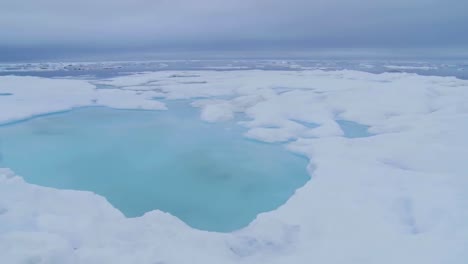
pixel 398 196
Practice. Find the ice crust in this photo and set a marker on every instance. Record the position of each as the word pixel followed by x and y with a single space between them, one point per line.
pixel 398 196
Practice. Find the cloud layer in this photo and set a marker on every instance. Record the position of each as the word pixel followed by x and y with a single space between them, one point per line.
pixel 223 24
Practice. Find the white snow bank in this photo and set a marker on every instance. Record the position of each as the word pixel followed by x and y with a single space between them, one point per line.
pixel 33 96
pixel 399 196
pixel 410 67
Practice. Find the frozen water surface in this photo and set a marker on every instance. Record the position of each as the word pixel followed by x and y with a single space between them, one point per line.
pixel 206 174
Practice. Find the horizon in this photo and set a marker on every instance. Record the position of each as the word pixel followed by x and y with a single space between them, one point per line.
pixel 52 55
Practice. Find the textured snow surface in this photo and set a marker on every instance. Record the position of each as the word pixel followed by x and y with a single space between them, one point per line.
pixel 398 196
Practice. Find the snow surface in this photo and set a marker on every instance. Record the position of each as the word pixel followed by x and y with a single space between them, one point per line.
pixel 399 196
pixel 30 96
pixel 410 67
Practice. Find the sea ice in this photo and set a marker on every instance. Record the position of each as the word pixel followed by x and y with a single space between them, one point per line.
pixel 396 197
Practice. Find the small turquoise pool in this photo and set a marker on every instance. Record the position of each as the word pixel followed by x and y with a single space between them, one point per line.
pixel 207 175
pixel 353 129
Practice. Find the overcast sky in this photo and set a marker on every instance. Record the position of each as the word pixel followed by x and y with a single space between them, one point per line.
pixel 230 24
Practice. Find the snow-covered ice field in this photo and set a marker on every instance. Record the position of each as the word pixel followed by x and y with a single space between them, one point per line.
pixel 397 195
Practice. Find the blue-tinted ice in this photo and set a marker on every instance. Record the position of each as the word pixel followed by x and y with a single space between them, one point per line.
pixel 353 129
